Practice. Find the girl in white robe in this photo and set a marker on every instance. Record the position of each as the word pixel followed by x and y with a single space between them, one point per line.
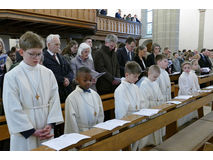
pixel 30 97
pixel 188 85
pixel 127 95
pixel 152 96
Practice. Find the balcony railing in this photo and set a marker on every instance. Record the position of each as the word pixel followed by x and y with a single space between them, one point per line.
pixel 110 24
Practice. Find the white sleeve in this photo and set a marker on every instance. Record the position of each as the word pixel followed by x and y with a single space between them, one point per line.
pixel 55 112
pixel 17 119
pixel 70 125
pixel 121 105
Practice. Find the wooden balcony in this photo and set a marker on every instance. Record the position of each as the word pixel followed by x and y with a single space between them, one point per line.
pixel 66 22
pixel 120 27
pixel 45 21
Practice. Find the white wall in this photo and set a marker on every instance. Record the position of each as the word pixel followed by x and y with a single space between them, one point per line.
pixel 189 29
pixel 208 29
pixel 111 12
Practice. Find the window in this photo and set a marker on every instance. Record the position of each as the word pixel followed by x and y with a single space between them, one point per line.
pixel 149 22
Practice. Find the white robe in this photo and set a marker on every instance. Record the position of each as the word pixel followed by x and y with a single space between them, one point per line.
pixel 195 80
pixel 83 110
pixel 188 85
pixel 164 85
pixel 23 111
pixel 127 100
pixel 152 96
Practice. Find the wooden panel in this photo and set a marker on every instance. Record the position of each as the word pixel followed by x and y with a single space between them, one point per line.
pixel 4 132
pixel 111 24
pixel 108 105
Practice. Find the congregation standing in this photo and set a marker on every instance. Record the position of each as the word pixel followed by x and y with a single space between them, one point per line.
pixel 52 77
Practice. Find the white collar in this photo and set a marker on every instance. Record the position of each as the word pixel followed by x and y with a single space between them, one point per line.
pixel 51 53
pixel 127 50
pixel 28 67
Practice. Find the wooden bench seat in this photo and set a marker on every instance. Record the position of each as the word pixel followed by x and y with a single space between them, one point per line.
pixel 208 117
pixel 190 138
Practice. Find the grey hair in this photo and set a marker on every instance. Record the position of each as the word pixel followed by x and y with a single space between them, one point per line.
pixel 111 38
pixel 82 47
pixel 51 37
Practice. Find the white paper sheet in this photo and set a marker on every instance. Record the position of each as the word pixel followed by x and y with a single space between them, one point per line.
pixel 173 102
pixel 204 91
pixel 183 97
pixel 111 124
pixel 64 141
pixel 174 73
pixel 147 112
pixel 209 87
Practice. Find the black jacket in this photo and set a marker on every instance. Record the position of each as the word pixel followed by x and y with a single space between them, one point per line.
pixel 106 61
pixel 123 57
pixel 60 71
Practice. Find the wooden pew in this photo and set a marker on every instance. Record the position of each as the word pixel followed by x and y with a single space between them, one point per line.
pixel 108 106
pixel 129 136
pixel 3 129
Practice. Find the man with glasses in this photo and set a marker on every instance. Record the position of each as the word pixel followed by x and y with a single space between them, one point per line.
pixel 58 64
pixel 126 54
pixel 155 51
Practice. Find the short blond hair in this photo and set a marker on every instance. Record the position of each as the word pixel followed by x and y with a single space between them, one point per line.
pixel 31 40
pixel 154 69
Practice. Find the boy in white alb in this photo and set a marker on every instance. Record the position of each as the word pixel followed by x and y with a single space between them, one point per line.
pixel 30 96
pixel 152 96
pixel 188 85
pixel 164 80
pixel 83 107
pixel 127 95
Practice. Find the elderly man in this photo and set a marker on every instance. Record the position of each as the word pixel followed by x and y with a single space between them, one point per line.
pixel 126 54
pixel 60 67
pixel 106 61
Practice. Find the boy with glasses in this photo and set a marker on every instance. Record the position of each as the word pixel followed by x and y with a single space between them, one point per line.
pixel 30 97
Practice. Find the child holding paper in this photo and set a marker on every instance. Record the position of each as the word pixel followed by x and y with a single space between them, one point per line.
pixel 83 107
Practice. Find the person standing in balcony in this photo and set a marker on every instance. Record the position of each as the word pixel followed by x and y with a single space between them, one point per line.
pixel 118 14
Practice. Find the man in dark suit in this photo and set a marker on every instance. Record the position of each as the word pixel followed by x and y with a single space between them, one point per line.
pixel 126 54
pixel 106 61
pixel 155 52
pixel 204 60
pixel 59 66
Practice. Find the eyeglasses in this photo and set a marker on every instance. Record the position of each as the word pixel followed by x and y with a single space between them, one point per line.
pixel 34 55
